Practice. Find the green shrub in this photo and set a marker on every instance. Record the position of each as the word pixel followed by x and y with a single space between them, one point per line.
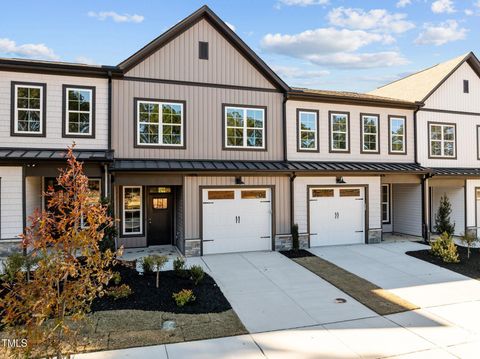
pixel 179 267
pixel 196 273
pixel 445 248
pixel 183 297
pixel 147 264
pixel 442 217
pixel 16 263
pixel 469 238
pixel 121 291
pixel 116 278
pixel 295 241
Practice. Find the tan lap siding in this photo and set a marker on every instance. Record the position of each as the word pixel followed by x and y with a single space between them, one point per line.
pixel 203 117
pixel 192 200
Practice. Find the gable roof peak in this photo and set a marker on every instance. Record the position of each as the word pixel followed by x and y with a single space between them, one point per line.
pixel 206 13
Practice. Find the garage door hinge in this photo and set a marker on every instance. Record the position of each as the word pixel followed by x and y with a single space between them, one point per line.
pixel 208 240
pixel 313 200
pixel 265 237
pixel 207 202
pixel 358 199
pixel 265 201
pixel 358 231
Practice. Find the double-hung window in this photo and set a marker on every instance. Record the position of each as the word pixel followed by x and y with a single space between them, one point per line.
pixel 160 123
pixel 79 116
pixel 244 127
pixel 28 102
pixel 397 135
pixel 442 140
pixel 132 210
pixel 385 203
pixel 307 130
pixel 339 132
pixel 370 133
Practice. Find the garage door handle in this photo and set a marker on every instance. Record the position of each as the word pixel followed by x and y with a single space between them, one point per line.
pixel 237 219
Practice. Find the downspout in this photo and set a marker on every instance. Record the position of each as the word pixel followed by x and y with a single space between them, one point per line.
pixel 292 199
pixel 284 119
pixel 109 120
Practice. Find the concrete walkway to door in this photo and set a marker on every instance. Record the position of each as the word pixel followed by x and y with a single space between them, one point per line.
pixel 270 292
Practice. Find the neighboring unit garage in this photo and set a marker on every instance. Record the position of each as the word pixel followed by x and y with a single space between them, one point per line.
pixel 236 219
pixel 336 215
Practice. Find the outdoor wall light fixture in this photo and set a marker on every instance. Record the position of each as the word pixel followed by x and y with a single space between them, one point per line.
pixel 238 180
pixel 340 180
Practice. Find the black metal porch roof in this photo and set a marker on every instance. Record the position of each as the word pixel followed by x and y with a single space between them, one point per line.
pixel 456 171
pixel 27 154
pixel 264 166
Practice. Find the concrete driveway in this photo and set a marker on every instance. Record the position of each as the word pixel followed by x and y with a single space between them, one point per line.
pixel 270 292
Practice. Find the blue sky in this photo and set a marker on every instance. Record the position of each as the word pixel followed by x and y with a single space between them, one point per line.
pixel 349 45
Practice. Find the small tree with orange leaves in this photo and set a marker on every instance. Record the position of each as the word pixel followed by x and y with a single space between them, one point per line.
pixel 48 308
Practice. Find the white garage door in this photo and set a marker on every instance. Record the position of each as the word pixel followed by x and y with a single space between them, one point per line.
pixel 236 220
pixel 337 216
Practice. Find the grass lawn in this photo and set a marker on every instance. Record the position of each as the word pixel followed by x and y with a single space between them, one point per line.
pixel 467 267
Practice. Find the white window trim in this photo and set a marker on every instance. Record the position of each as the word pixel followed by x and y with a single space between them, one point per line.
pixel 404 143
pixel 160 124
pixel 347 135
pixel 315 132
pixel 387 203
pixel 245 127
pixel 16 131
pixel 123 211
pixel 442 140
pixel 377 149
pixel 67 112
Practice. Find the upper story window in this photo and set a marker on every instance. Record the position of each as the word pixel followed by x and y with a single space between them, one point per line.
pixel 339 132
pixel 79 111
pixel 160 123
pixel 442 137
pixel 244 127
pixel 28 109
pixel 307 130
pixel 466 86
pixel 397 135
pixel 370 133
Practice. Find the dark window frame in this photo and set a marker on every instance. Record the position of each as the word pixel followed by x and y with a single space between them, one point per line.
pixel 466 86
pixel 330 140
pixel 317 132
pixel 142 212
pixel 405 151
pixel 362 134
pixel 442 156
pixel 13 100
pixel 389 203
pixel 203 50
pixel 65 89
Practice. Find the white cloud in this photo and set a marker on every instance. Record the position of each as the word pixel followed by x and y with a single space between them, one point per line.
pixel 403 3
pixel 443 6
pixel 36 51
pixel 375 20
pixel 303 2
pixel 232 27
pixel 468 12
pixel 441 34
pixel 477 3
pixel 104 15
pixel 334 48
pixel 298 73
pixel 320 41
pixel 85 60
pixel 360 60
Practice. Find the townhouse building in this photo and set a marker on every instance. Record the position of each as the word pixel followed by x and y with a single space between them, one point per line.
pixel 198 144
pixel 447 136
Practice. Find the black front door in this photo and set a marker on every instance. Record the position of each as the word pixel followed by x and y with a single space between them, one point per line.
pixel 160 219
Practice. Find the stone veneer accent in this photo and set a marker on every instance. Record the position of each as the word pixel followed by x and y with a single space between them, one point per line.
pixel 284 242
pixel 192 248
pixel 374 236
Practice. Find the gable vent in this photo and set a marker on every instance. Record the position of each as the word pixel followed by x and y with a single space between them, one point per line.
pixel 466 86
pixel 203 50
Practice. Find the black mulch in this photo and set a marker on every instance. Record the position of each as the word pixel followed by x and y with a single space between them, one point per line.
pixel 468 267
pixel 300 253
pixel 145 296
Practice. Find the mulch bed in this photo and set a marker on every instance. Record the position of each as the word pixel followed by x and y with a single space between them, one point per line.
pixel 467 267
pixel 146 296
pixel 301 253
pixel 372 296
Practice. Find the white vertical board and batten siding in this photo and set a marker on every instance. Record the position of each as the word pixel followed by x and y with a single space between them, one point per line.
pixel 471 203
pixel 355 128
pixel 301 197
pixel 450 96
pixel 54 118
pixel 407 209
pixel 192 199
pixel 178 60
pixel 11 210
pixel 203 118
